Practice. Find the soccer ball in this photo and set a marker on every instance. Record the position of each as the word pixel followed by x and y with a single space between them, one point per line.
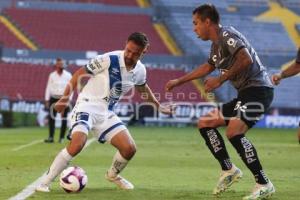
pixel 73 179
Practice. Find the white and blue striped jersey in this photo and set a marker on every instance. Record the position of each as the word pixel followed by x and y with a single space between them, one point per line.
pixel 110 79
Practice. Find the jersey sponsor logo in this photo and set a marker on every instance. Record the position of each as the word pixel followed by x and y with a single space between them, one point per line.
pixel 249 150
pixel 115 71
pixel 225 33
pixel 240 107
pixel 214 58
pixel 214 140
pixel 133 78
pixel 231 42
pixel 91 67
pixel 95 65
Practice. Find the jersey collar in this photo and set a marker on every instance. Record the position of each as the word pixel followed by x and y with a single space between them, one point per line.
pixel 122 60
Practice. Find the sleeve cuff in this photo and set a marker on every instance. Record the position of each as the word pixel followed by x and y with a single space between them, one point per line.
pixel 141 84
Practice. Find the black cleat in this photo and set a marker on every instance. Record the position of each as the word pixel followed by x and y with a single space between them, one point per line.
pixel 49 140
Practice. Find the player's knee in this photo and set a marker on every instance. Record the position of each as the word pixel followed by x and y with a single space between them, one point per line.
pixel 230 133
pixel 75 148
pixel 201 123
pixel 204 123
pixel 236 127
pixel 128 151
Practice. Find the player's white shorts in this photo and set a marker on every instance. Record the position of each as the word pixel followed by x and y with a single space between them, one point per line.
pixel 86 117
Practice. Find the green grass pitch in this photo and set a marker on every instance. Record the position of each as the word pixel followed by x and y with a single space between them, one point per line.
pixel 171 163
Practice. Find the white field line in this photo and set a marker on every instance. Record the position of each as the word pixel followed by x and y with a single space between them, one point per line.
pixel 30 189
pixel 27 145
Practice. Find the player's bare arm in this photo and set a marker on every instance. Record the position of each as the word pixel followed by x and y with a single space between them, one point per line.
pixel 199 72
pixel 292 70
pixel 63 101
pixel 148 96
pixel 242 61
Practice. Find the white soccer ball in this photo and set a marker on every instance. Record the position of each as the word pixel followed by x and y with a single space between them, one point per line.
pixel 73 179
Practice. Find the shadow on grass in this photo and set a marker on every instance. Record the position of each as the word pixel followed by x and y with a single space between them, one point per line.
pixel 137 194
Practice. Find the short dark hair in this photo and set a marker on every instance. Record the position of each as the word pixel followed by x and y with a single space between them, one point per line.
pixel 58 59
pixel 139 38
pixel 207 11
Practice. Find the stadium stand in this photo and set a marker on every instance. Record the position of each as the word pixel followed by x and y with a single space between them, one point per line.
pixel 247 7
pixel 293 5
pixel 287 94
pixel 297 26
pixel 259 33
pixel 259 36
pixel 80 31
pixel 157 78
pixel 62 31
pixel 8 39
pixel 175 4
pixel 109 2
pixel 20 81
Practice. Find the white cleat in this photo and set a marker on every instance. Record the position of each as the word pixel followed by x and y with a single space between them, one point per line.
pixel 261 192
pixel 227 178
pixel 120 182
pixel 42 188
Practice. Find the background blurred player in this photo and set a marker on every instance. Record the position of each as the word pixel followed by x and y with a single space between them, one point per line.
pixel 113 74
pixel 292 70
pixel 56 84
pixel 238 62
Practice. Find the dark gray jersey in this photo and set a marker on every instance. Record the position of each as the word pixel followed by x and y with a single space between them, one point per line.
pixel 298 56
pixel 222 56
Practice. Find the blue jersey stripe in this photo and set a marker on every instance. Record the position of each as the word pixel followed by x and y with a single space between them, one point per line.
pixel 115 81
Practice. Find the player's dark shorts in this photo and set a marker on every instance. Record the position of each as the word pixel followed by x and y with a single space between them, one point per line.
pixel 250 104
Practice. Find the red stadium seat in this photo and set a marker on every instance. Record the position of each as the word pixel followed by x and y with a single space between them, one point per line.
pixel 80 31
pixel 9 39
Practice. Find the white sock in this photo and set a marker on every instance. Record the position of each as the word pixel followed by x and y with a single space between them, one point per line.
pixel 59 164
pixel 118 164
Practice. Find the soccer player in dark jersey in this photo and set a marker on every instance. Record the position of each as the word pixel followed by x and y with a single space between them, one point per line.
pixel 292 70
pixel 238 63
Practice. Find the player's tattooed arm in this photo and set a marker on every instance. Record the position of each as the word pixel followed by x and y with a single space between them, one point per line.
pixel 63 102
pixel 148 96
pixel 242 61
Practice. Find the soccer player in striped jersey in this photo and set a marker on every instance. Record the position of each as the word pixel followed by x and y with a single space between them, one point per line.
pixel 113 74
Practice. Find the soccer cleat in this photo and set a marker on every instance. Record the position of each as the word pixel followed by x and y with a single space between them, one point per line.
pixel 42 188
pixel 120 182
pixel 261 192
pixel 227 178
pixel 49 140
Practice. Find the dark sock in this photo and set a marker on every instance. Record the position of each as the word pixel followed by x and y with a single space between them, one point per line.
pixel 216 145
pixel 249 155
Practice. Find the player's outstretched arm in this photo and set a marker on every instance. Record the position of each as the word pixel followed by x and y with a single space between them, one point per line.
pixel 199 72
pixel 292 70
pixel 62 103
pixel 148 96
